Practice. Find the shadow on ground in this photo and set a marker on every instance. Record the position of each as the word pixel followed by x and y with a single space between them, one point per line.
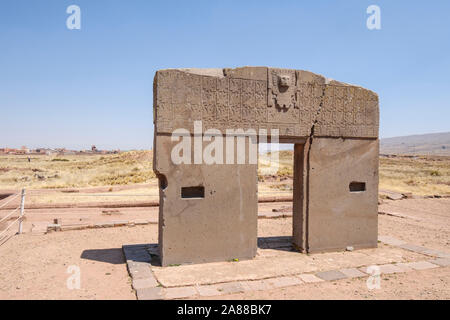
pixel 113 255
pixel 283 243
pixel 149 252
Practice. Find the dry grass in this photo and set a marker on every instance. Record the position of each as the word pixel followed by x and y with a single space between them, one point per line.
pixel 422 175
pixel 75 170
pixel 140 193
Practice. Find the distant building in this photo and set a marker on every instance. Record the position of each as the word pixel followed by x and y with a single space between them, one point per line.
pixel 24 149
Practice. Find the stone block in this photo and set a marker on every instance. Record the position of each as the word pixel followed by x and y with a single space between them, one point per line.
pixel 208 290
pixel 420 265
pixel 259 285
pixel 144 283
pixel 155 293
pixel 393 268
pixel 353 273
pixel 309 278
pixel 443 262
pixel 282 282
pixel 413 247
pixel 208 211
pixel 140 271
pixel 231 287
pixel 331 275
pixel 180 292
pixel 391 241
pixel 120 223
pixel 140 222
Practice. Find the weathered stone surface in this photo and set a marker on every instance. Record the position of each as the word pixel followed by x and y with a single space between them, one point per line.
pixel 220 226
pixel 139 222
pixel 259 285
pixel 137 253
pixel 337 216
pixel 388 268
pixel 223 288
pixel 180 292
pixel 309 278
pixel 150 293
pixel 333 125
pixel 208 290
pixel 443 262
pixel 392 268
pixel 420 265
pixel 231 287
pixel 353 273
pixel 391 241
pixel 331 275
pixel 142 283
pixel 104 225
pixel 140 271
pixel 120 223
pixel 282 282
pixel 415 248
pixel 53 227
pixel 395 196
pixel 290 100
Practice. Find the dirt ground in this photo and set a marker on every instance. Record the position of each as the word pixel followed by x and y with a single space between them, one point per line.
pixel 425 284
pixel 36 266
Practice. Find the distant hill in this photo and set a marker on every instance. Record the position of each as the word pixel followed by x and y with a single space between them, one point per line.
pixel 424 144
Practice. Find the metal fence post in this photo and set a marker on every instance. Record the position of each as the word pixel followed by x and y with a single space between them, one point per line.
pixel 22 210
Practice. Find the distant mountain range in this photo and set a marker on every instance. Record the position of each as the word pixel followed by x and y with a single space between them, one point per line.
pixel 423 144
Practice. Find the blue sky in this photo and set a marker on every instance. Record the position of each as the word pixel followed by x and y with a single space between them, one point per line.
pixel 75 88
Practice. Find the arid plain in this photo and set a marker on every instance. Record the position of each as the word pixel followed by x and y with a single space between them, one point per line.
pixel 98 203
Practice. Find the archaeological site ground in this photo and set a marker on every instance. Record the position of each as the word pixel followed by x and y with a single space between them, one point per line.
pixel 224 159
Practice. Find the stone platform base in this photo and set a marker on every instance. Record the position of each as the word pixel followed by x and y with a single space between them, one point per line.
pixel 277 265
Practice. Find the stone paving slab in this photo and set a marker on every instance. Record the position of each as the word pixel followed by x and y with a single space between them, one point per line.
pixel 223 288
pixel 392 268
pixel 443 262
pixel 120 223
pixel 309 278
pixel 150 294
pixel 412 247
pixel 180 292
pixel 391 241
pixel 437 253
pixel 283 282
pixel 143 283
pixel 295 268
pixel 140 272
pixel 232 287
pixel 389 268
pixel 258 285
pixel 138 260
pixel 277 264
pixel 420 265
pixel 331 275
pixel 353 273
pixel 208 290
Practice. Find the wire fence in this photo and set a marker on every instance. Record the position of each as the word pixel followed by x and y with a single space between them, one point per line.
pixel 19 220
pixel 86 194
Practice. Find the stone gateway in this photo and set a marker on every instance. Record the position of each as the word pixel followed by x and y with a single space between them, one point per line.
pixel 208 211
